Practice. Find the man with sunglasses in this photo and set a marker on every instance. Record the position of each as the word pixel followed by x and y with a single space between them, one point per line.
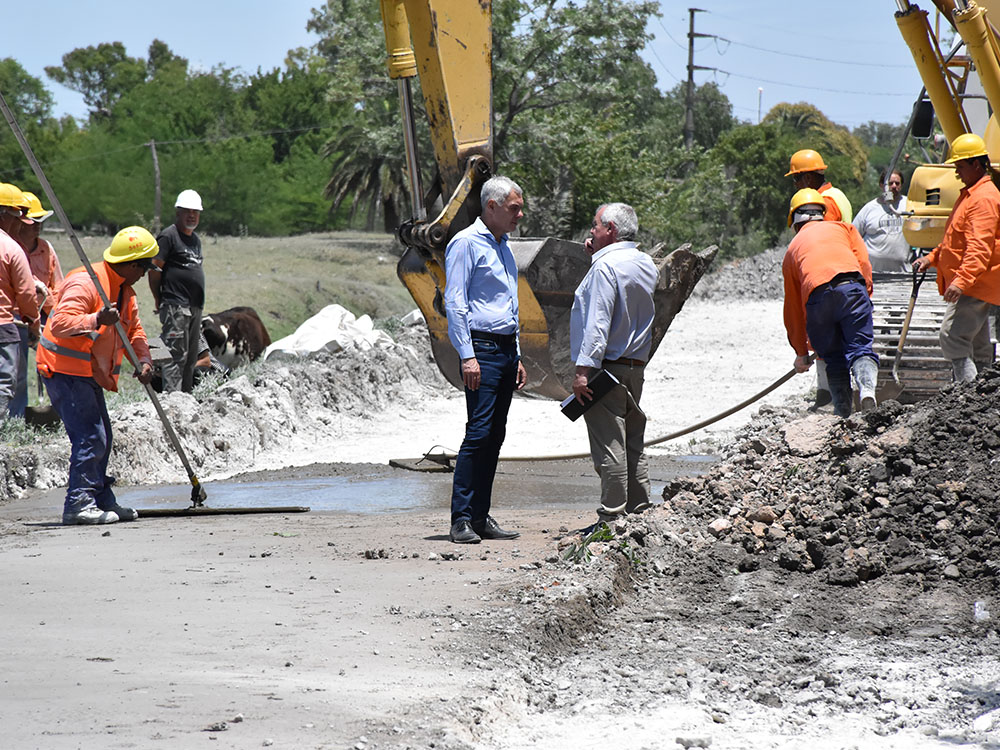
pixel 17 291
pixel 828 286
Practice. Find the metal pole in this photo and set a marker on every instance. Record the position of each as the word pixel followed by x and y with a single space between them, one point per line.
pixel 410 144
pixel 760 96
pixel 197 491
pixel 689 97
pixel 157 226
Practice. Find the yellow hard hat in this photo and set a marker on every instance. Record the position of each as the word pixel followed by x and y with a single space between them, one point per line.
pixel 805 197
pixel 805 160
pixel 11 195
pixel 967 146
pixel 131 243
pixel 35 211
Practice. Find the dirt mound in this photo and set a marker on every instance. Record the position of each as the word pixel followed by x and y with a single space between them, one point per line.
pixel 902 489
pixel 757 277
pixel 269 413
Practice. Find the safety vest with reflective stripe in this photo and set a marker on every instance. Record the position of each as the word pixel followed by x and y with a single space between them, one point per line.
pixel 74 344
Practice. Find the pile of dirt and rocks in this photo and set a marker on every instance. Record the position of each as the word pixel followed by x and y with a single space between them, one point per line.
pixel 282 410
pixel 756 277
pixel 901 489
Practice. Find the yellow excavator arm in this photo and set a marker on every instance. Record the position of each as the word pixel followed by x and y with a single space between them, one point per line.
pixel 448 44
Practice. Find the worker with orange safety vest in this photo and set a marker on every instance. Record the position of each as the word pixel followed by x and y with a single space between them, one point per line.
pixel 968 261
pixel 80 354
pixel 807 168
pixel 17 291
pixel 48 275
pixel 828 286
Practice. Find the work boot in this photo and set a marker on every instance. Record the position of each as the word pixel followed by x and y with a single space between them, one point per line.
pixel 865 371
pixel 840 392
pixel 462 533
pixel 490 529
pixel 963 370
pixel 87 516
pixel 123 513
pixel 608 515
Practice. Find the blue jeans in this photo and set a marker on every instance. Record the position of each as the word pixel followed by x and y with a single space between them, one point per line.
pixel 839 326
pixel 486 408
pixel 20 400
pixel 79 402
pixel 8 374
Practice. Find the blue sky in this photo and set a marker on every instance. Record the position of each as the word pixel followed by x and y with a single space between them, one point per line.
pixel 847 57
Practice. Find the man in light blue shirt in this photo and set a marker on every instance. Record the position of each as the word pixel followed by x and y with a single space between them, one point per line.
pixel 480 299
pixel 611 327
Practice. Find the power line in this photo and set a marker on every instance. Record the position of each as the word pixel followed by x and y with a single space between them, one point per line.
pixel 816 59
pixel 812 88
pixel 812 33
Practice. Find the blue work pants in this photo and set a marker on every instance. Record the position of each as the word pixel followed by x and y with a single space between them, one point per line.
pixel 79 402
pixel 486 408
pixel 839 326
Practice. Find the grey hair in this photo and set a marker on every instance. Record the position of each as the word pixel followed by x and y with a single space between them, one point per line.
pixel 497 188
pixel 623 217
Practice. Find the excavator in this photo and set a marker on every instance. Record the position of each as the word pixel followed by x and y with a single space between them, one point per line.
pixel 448 44
pixel 961 90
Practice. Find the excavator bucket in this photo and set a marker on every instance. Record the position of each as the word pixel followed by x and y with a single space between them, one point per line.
pixel 549 271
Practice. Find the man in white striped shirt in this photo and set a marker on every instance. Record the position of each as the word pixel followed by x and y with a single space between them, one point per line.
pixel 611 327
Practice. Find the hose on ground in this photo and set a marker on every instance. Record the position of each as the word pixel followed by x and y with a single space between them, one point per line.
pixel 445 457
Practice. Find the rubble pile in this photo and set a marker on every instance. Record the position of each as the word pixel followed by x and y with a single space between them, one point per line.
pixel 901 489
pixel 756 277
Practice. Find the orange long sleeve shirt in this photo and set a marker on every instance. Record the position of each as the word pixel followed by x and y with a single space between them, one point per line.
pixel 17 287
pixel 820 251
pixel 969 254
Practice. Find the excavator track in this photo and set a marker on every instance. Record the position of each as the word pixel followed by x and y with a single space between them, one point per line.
pixel 923 369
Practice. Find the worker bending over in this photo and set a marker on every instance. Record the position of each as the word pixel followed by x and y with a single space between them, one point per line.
pixel 611 327
pixel 80 354
pixel 828 285
pixel 968 261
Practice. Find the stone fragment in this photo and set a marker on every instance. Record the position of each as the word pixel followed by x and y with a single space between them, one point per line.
pixel 764 514
pixel 719 526
pixel 758 529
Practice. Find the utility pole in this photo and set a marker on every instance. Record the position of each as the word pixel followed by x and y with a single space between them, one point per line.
pixel 156 186
pixel 691 67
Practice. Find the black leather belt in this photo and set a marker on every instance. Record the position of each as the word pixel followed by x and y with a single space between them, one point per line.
pixel 499 338
pixel 839 280
pixel 624 361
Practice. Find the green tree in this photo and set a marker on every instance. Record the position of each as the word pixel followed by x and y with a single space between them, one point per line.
pixel 713 113
pixel 102 74
pixel 553 62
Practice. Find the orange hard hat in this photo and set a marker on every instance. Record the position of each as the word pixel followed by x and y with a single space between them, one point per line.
pixel 805 160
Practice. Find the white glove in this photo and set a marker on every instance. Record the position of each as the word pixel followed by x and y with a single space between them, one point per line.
pixel 41 292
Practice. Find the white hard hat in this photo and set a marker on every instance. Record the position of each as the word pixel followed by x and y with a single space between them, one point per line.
pixel 189 199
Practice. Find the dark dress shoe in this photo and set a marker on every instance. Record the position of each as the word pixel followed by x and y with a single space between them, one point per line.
pixel 490 529
pixel 462 533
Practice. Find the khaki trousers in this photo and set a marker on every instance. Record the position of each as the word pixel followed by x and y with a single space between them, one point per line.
pixel 965 330
pixel 617 427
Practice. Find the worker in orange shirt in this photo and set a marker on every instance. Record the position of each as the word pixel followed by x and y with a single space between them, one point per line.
pixel 968 261
pixel 47 273
pixel 17 291
pixel 807 170
pixel 828 285
pixel 79 357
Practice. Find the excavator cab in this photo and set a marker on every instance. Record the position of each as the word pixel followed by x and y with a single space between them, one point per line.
pixel 448 43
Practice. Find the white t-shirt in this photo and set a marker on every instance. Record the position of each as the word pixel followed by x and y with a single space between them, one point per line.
pixel 881 227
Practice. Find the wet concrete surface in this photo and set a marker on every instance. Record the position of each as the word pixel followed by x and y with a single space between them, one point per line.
pixel 372 488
